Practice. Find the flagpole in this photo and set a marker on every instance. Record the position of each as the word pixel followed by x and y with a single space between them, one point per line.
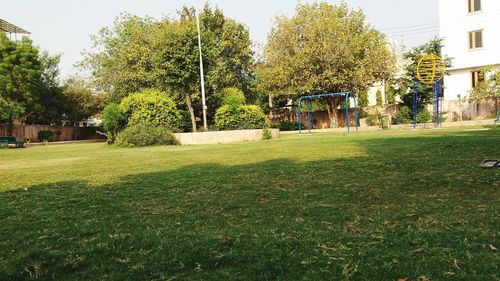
pixel 201 70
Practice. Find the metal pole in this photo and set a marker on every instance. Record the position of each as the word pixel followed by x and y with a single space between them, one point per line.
pixel 436 105
pixel 201 70
pixel 299 116
pixel 441 101
pixel 309 115
pixel 347 112
pixel 415 102
pixel 356 116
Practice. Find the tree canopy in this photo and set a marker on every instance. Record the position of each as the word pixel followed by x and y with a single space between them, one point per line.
pixel 144 53
pixel 30 90
pixel 324 48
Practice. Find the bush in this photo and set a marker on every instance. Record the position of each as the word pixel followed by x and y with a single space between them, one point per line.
pixel 113 119
pixel 228 96
pixel 266 134
pixel 373 120
pixel 144 134
pixel 404 116
pixel 287 126
pixel 444 116
pixel 424 116
pixel 45 135
pixel 240 118
pixel 151 106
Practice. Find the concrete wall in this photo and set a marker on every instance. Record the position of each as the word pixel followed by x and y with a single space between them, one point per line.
pixel 222 137
pixel 372 94
pixel 460 110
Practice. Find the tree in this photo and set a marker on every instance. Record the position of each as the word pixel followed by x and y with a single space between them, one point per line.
pixel 20 75
pixel 227 57
pixel 125 61
pixel 81 102
pixel 324 49
pixel 50 102
pixel 138 54
pixel 488 87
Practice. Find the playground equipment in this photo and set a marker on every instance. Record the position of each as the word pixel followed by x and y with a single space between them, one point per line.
pixel 346 95
pixel 430 70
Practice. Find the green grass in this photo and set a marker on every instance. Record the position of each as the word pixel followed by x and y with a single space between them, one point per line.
pixel 373 206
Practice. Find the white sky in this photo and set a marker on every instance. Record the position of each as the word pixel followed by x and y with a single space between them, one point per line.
pixel 64 26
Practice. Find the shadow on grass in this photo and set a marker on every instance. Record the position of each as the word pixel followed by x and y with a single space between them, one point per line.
pixel 412 207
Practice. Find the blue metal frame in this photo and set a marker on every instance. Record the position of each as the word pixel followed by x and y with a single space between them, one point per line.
pixel 415 101
pixel 308 99
pixel 437 107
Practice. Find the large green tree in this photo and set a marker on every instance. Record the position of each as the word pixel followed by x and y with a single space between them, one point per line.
pixel 20 78
pixel 30 90
pixel 80 101
pixel 50 104
pixel 141 53
pixel 124 61
pixel 324 48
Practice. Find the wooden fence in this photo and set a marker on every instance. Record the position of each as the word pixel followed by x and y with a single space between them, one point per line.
pixel 61 133
pixel 319 119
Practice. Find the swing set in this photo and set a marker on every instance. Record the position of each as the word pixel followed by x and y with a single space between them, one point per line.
pixel 345 95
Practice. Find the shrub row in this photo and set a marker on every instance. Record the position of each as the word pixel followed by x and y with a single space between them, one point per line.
pixel 241 117
pixel 144 134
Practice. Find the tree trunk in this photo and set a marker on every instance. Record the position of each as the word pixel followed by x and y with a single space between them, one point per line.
pixel 10 126
pixel 331 106
pixel 191 110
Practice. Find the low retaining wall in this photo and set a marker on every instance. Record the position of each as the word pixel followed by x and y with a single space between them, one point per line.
pixel 222 137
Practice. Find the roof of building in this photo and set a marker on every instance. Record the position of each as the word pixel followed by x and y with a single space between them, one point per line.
pixel 6 26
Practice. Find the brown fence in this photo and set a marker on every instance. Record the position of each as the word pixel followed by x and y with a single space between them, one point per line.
pixel 319 119
pixel 30 132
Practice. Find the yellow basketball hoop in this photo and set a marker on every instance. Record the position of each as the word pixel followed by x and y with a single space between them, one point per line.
pixel 430 69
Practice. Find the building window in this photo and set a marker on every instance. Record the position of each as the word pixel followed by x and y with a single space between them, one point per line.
pixel 475 39
pixel 475 6
pixel 477 77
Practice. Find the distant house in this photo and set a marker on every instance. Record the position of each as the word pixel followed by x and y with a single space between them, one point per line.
pixel 471 30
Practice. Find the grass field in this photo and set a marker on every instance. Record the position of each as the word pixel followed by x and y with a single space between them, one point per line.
pixel 372 206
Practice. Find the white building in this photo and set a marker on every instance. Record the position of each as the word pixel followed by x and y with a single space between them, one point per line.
pixel 471 29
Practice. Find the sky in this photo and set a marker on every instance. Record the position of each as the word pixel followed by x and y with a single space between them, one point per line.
pixel 64 26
